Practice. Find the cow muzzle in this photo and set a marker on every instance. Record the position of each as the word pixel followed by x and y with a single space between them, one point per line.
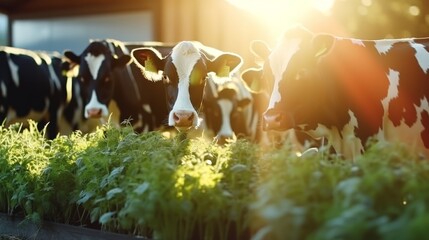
pixel 183 120
pixel 94 113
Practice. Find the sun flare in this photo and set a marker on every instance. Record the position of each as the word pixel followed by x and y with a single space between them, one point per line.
pixel 290 7
pixel 279 14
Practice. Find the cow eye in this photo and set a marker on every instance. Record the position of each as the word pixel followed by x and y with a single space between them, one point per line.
pixel 165 79
pixel 239 109
pixel 82 79
pixel 107 79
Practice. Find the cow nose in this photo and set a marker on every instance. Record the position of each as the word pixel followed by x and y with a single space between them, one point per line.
pixel 183 119
pixel 94 112
pixel 272 120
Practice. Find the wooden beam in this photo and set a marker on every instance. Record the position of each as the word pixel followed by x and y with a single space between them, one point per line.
pixel 61 8
pixel 157 15
pixel 37 9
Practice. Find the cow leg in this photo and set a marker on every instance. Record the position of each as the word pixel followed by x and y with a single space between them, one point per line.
pixel 53 128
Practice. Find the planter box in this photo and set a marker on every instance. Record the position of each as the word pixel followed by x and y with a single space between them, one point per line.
pixel 54 231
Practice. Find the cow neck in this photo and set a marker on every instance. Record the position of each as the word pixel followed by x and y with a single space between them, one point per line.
pixel 119 49
pixel 349 70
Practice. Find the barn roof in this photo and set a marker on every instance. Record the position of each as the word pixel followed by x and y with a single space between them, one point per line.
pixel 52 8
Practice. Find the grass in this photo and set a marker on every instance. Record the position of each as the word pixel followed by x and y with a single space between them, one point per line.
pixel 153 186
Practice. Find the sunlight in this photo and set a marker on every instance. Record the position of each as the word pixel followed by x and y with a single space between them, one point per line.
pixel 278 14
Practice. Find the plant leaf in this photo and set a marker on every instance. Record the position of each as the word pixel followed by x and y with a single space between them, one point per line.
pixel 105 218
pixel 142 188
pixel 84 197
pixel 111 193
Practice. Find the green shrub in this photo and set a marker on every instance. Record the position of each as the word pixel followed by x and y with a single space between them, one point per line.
pixel 382 195
pixel 178 188
pixel 147 184
pixel 22 161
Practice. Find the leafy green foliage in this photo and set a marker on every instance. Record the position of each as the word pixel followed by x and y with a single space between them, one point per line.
pixel 150 185
pixel 380 196
pixel 37 175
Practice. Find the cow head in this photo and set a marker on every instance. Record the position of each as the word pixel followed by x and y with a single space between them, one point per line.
pixel 225 106
pixel 184 72
pixel 96 64
pixel 291 78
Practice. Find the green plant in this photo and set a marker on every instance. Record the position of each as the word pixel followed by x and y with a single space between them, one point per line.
pixel 180 188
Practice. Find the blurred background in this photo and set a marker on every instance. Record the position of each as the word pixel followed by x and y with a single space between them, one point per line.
pixel 230 25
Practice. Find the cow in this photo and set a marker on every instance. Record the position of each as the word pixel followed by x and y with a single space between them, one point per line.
pixel 30 88
pixel 347 90
pixel 71 110
pixel 184 72
pixel 108 79
pixel 230 110
pixel 40 86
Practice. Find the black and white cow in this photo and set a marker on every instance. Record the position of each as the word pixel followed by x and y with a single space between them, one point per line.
pixel 184 72
pixel 348 90
pixel 70 112
pixel 230 110
pixel 30 88
pixel 39 86
pixel 107 77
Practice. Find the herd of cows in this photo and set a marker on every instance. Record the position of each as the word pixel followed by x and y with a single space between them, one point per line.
pixel 313 86
pixel 74 91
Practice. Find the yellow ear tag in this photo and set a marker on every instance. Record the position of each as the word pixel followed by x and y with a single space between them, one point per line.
pixel 321 52
pixel 149 66
pixel 223 71
pixel 255 85
pixel 195 78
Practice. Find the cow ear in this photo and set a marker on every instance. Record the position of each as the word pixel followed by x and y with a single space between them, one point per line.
pixel 260 49
pixel 240 90
pixel 225 64
pixel 242 103
pixel 244 95
pixel 150 61
pixel 72 57
pixel 122 61
pixel 322 44
pixel 252 78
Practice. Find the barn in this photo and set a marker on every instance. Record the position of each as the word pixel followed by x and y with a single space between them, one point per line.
pixel 58 25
